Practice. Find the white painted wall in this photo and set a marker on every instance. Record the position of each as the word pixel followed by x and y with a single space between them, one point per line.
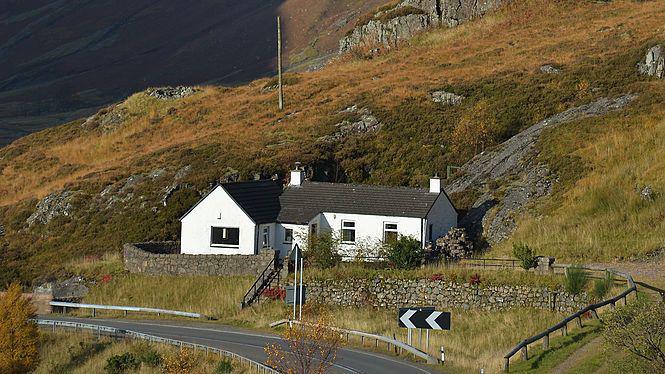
pixel 220 210
pixel 369 230
pixel 299 237
pixel 442 217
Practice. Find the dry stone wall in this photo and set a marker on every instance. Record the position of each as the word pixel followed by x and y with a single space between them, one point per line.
pixel 395 293
pixel 164 259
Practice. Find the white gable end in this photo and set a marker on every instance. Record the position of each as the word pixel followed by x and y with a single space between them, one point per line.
pixel 218 214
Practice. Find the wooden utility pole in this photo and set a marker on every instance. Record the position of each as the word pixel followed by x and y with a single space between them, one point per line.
pixel 279 63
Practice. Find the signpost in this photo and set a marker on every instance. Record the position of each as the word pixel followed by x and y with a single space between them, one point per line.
pixel 423 318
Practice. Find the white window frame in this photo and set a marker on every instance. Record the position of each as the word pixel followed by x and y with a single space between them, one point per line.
pixel 265 237
pixel 385 230
pixel 351 229
pixel 286 230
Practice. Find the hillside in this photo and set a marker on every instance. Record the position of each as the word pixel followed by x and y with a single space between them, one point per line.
pixel 126 174
pixel 62 60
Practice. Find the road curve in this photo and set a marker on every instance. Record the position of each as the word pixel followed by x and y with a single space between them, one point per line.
pixel 250 343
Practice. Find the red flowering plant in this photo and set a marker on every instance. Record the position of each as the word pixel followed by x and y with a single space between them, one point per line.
pixel 475 279
pixel 106 278
pixel 436 277
pixel 275 293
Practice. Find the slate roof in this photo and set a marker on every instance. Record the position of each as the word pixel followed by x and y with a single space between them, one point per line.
pixel 259 199
pixel 299 204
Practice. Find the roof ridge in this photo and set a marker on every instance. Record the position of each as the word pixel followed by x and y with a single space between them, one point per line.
pixel 366 185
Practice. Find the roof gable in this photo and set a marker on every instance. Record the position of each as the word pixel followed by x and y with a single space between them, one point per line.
pixel 259 199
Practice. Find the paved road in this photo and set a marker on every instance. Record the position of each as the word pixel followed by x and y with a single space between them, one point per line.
pixel 250 343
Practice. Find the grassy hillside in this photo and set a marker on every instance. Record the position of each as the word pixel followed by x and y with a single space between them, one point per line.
pixel 494 62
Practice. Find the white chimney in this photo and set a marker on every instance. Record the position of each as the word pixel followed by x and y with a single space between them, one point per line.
pixel 297 176
pixel 435 184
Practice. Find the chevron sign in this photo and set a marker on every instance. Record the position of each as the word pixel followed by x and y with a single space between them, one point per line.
pixel 423 318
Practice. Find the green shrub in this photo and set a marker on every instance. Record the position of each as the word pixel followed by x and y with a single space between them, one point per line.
pixel 323 250
pixel 405 253
pixel 576 280
pixel 119 364
pixel 602 286
pixel 526 255
pixel 225 366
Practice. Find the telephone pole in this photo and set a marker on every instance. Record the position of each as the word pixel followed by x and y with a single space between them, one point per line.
pixel 279 63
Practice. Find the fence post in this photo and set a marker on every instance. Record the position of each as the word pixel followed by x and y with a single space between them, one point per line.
pixel 525 353
pixel 93 313
pixel 546 342
pixel 506 364
pixel 579 321
pixel 564 330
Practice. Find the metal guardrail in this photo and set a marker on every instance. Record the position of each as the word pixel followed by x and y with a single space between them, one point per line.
pixel 126 309
pixel 563 325
pixel 390 343
pixel 260 368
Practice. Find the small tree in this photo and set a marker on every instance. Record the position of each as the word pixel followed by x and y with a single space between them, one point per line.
pixel 305 348
pixel 323 250
pixel 576 280
pixel 526 255
pixel 640 329
pixel 19 336
pixel 405 252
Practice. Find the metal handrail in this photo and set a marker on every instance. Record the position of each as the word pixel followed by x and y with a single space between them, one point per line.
pixel 576 316
pixel 394 342
pixel 273 266
pixel 158 339
pixel 126 309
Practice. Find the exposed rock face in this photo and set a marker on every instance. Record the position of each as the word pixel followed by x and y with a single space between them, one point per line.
pixel 107 119
pixel 2 231
pixel 387 30
pixel 171 93
pixel 365 122
pixel 514 164
pixel 54 205
pixel 654 62
pixel 455 245
pixel 550 69
pixel 647 193
pixel 446 98
pixel 72 289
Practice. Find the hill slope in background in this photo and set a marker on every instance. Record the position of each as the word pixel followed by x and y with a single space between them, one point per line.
pixel 127 173
pixel 62 60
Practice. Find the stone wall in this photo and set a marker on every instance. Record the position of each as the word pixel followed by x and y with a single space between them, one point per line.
pixel 164 259
pixel 395 293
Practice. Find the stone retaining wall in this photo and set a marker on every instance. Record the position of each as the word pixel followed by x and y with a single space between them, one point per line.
pixel 164 258
pixel 395 293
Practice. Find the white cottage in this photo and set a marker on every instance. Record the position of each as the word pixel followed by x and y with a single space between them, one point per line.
pixel 246 217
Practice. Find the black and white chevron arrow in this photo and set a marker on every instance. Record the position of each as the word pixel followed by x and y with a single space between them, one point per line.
pixel 424 318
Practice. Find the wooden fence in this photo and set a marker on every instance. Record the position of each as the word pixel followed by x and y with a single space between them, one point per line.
pixel 577 317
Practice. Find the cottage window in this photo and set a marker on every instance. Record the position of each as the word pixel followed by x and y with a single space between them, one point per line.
pixel 266 237
pixel 224 236
pixel 348 232
pixel 288 236
pixel 389 232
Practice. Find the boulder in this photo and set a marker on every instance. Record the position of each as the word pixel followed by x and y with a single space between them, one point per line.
pixel 171 93
pixel 54 205
pixel 455 245
pixel 550 69
pixel 654 62
pixel 446 98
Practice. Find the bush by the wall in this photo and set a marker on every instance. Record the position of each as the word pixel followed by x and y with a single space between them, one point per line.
pixel 323 250
pixel 405 253
pixel 576 280
pixel 526 255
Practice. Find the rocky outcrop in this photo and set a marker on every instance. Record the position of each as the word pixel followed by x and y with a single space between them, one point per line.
pixel 362 122
pixel 549 69
pixel 654 62
pixel 513 164
pixel 54 205
pixel 107 119
pixel 171 93
pixel 446 98
pixel 409 17
pixel 454 246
